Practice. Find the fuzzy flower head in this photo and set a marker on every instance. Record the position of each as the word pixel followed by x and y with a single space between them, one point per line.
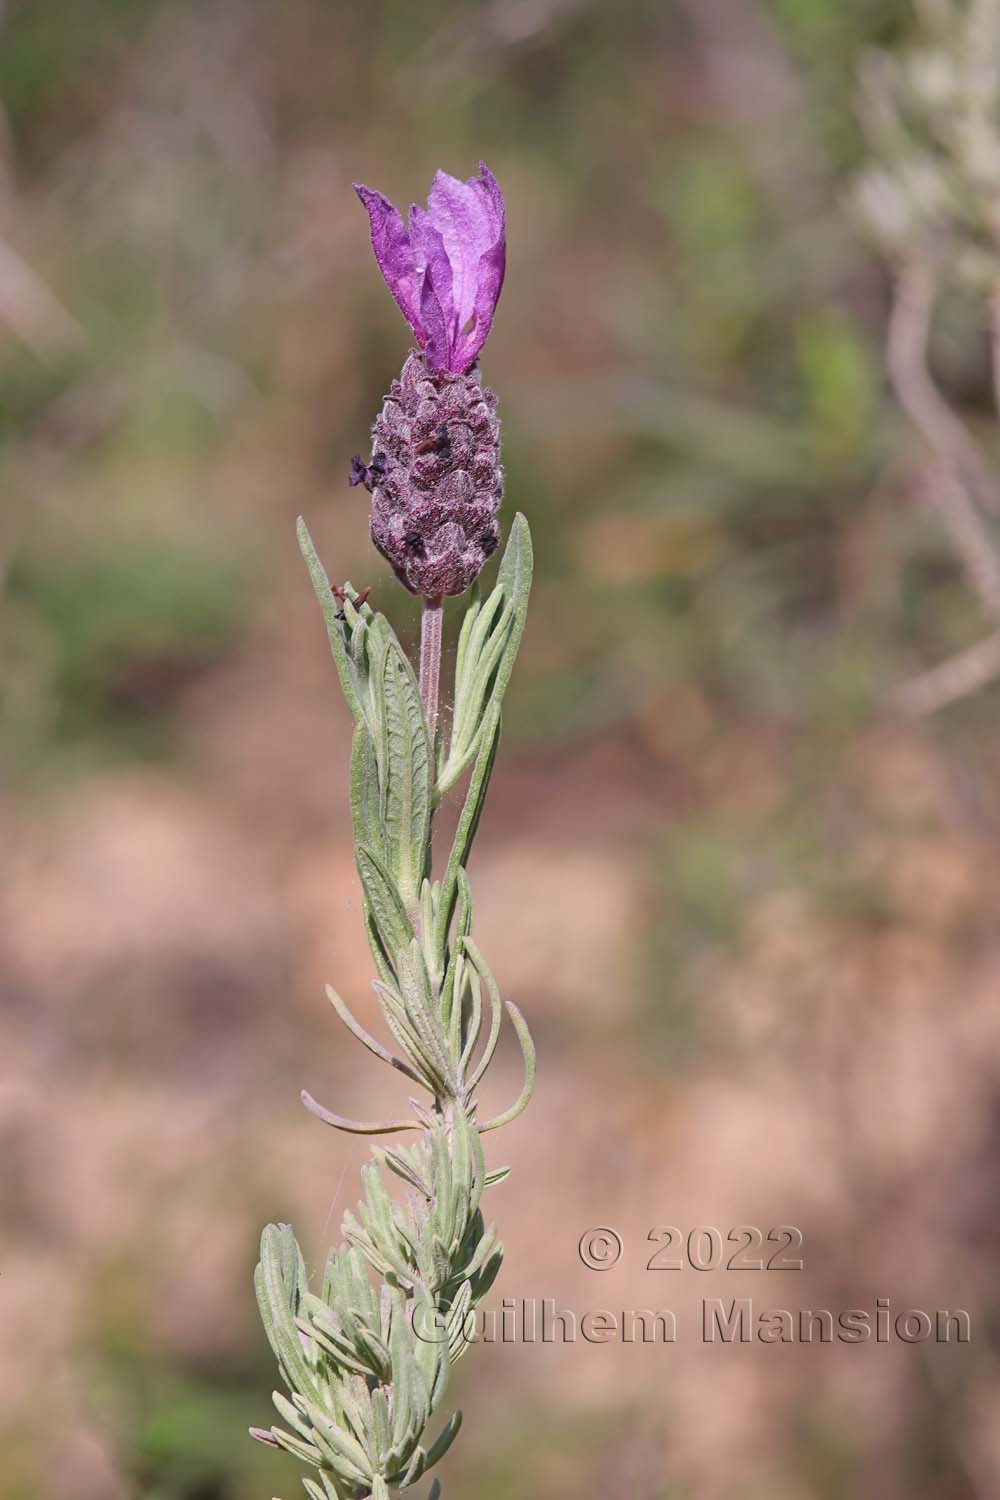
pixel 445 269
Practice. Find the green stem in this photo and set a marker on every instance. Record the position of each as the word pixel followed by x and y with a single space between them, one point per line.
pixel 430 661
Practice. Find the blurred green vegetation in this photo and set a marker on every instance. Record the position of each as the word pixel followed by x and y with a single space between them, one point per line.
pixel 121 636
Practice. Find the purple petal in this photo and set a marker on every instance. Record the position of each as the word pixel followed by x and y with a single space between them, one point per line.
pixel 470 219
pixel 437 309
pixel 462 214
pixel 394 254
pixel 492 265
pixel 446 270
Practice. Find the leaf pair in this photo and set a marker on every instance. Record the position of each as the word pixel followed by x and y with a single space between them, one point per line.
pixel 487 648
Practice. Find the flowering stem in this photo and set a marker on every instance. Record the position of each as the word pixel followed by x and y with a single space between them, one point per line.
pixel 355 1358
pixel 430 660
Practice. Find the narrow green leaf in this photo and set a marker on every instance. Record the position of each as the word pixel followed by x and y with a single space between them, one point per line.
pixel 468 621
pixel 280 1282
pixel 440 1446
pixel 487 625
pixel 357 1030
pixel 381 1442
pixel 355 1127
pixel 384 901
pixel 383 965
pixel 335 626
pixel 291 1415
pixel 338 1447
pixel 493 990
pixel 365 807
pixel 471 697
pixel 453 975
pixel 308 1453
pixel 471 1023
pixel 514 577
pixel 406 776
pixel 514 582
pixel 528 1052
pixel 483 1251
pixel 415 989
pixel 468 822
pixel 485 1278
pixel 422 1055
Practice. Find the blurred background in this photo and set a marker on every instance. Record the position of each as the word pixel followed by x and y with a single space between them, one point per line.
pixel 747 905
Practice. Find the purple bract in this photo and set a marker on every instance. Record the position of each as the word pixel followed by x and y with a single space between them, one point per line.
pixel 446 269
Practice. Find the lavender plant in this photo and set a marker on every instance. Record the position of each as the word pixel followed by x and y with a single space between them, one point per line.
pixel 365 1357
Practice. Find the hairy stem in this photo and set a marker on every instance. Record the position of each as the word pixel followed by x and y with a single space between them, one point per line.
pixel 430 660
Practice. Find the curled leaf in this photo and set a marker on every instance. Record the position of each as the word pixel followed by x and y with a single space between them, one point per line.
pixel 356 1127
pixel 528 1052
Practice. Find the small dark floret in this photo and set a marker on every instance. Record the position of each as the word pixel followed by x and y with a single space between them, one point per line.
pixel 359 473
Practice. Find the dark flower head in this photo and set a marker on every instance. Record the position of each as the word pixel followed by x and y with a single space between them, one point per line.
pixel 436 479
pixel 446 268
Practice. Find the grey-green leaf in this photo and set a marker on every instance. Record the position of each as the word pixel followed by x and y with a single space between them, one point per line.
pixel 487 653
pixel 406 767
pixel 336 628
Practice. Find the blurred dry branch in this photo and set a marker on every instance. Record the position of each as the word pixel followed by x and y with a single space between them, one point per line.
pixel 32 310
pixel 480 39
pixel 955 458
pixel 928 197
pixel 906 357
pixel 954 679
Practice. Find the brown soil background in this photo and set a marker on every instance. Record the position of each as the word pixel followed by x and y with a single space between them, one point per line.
pixel 750 914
